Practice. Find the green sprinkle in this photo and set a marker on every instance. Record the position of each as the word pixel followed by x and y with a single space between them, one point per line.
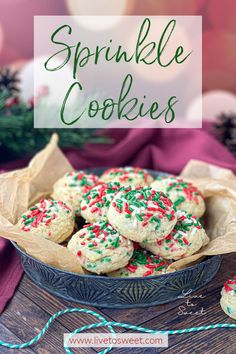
pixel 97 251
pixel 29 221
pixel 139 217
pixel 179 201
pixel 116 243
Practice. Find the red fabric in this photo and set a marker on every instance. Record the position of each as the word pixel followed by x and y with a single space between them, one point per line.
pixel 161 149
pixel 10 272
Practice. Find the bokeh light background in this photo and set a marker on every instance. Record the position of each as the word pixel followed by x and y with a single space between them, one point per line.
pixel 219 31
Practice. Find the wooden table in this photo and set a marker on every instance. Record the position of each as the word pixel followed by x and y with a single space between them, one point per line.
pixel 31 307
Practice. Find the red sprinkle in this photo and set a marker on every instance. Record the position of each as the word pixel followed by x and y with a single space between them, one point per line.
pixel 132 268
pixel 227 288
pixel 149 272
pixel 185 241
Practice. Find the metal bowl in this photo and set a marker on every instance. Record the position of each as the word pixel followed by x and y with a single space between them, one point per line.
pixel 103 291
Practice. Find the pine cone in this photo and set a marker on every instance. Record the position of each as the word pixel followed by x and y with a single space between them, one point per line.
pixel 226 131
pixel 9 81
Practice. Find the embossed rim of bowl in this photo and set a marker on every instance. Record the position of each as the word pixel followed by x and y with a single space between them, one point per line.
pixel 169 275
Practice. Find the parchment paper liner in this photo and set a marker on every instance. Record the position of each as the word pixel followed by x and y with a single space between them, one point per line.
pixel 21 188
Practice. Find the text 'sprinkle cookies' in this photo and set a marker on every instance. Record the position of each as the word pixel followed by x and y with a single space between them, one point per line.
pixel 142 214
pixel 186 238
pixel 96 202
pixel 100 248
pixel 50 219
pixel 184 195
pixel 142 264
pixel 72 186
pixel 128 176
pixel 228 298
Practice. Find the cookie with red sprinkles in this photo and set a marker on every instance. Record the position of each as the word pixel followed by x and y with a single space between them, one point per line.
pixel 228 298
pixel 183 194
pixel 142 264
pixel 142 214
pixel 186 238
pixel 50 219
pixel 128 176
pixel 96 202
pixel 100 248
pixel 71 187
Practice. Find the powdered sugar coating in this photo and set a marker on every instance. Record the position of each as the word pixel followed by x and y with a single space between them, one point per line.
pixel 142 264
pixel 142 214
pixel 96 202
pixel 228 298
pixel 183 194
pixel 186 238
pixel 50 219
pixel 71 187
pixel 128 176
pixel 100 248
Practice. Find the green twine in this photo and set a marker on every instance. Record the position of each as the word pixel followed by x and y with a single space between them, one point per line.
pixel 109 324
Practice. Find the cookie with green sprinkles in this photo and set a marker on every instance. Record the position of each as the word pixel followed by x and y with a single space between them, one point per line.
pixel 71 187
pixel 183 194
pixel 50 219
pixel 228 298
pixel 187 237
pixel 96 202
pixel 142 214
pixel 142 264
pixel 128 176
pixel 100 248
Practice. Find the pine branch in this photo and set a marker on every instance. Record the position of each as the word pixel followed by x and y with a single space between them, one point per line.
pixel 20 138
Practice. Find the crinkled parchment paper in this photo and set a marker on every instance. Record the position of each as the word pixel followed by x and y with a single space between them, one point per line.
pixel 218 185
pixel 22 188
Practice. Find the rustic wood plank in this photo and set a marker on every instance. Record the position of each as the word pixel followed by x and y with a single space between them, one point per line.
pixel 25 320
pixel 9 337
pixel 138 316
pixel 218 341
pixel 206 339
pixel 214 341
pixel 202 342
pixel 31 302
pixel 52 304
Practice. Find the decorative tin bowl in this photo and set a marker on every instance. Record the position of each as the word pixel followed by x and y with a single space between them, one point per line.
pixel 103 291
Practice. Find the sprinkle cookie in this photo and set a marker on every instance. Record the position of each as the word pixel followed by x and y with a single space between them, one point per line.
pixel 142 214
pixel 228 298
pixel 100 248
pixel 142 264
pixel 72 186
pixel 132 176
pixel 50 219
pixel 96 202
pixel 187 237
pixel 184 195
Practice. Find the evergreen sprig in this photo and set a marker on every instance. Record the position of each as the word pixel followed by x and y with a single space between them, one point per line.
pixel 19 138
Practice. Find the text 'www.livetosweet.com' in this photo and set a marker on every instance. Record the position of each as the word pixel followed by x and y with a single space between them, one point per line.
pixel 101 340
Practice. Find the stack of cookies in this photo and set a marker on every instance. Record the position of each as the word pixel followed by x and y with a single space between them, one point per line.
pixel 135 226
